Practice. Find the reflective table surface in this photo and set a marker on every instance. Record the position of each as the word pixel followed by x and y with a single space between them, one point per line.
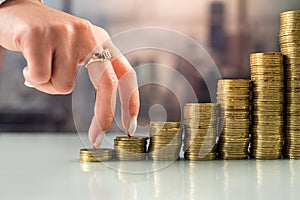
pixel 46 166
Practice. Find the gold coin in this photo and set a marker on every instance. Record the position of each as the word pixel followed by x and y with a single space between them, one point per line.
pixel 96 155
pixel 165 124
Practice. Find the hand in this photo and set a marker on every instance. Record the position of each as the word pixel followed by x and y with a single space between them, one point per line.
pixel 54 43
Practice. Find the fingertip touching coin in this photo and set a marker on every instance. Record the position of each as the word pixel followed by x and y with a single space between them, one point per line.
pixel 106 77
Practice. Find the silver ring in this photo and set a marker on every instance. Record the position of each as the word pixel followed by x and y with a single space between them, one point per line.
pixel 100 57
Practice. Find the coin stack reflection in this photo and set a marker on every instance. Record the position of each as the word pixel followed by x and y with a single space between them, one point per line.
pixel 165 140
pixel 290 46
pixel 233 98
pixel 268 97
pixel 200 131
pixel 202 188
pixel 130 148
pixel 166 180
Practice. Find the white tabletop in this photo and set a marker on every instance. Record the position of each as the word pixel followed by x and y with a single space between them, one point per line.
pixel 46 166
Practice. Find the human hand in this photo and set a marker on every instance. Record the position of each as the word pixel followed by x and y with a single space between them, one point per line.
pixel 54 43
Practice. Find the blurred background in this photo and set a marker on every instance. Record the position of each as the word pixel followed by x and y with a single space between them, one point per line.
pixel 229 31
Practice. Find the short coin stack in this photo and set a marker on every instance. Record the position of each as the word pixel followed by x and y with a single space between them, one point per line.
pixel 165 140
pixel 267 76
pixel 290 47
pixel 130 148
pixel 200 131
pixel 234 122
pixel 96 155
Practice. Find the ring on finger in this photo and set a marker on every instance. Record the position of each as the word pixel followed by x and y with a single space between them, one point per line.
pixel 100 57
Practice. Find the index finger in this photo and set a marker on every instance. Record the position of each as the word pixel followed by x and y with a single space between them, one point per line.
pixel 129 94
pixel 128 87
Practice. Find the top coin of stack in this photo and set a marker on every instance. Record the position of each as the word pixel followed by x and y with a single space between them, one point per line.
pixel 200 131
pixel 130 148
pixel 268 97
pixel 165 140
pixel 233 98
pixel 96 155
pixel 290 47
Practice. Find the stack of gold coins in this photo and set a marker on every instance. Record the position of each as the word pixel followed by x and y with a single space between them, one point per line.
pixel 96 155
pixel 200 131
pixel 234 122
pixel 267 76
pixel 290 47
pixel 130 148
pixel 165 140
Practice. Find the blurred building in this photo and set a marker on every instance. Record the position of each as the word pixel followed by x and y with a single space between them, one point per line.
pixel 228 30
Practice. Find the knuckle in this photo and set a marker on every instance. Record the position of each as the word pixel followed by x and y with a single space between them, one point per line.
pixel 65 88
pixel 62 29
pixel 39 77
pixel 104 33
pixel 82 25
pixel 35 31
pixel 106 122
pixel 111 80
pixel 128 75
pixel 25 33
pixel 132 74
pixel 82 28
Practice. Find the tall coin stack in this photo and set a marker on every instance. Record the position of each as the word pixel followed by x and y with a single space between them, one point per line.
pixel 130 148
pixel 200 131
pixel 165 140
pixel 267 76
pixel 234 123
pixel 290 47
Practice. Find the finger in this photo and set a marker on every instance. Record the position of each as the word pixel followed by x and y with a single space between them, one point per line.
pixel 96 135
pixel 97 69
pixel 128 88
pixel 39 61
pixel 63 77
pixel 104 79
pixel 45 87
pixel 63 71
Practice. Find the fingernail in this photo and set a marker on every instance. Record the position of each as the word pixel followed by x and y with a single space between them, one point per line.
pixel 26 83
pixel 132 126
pixel 98 140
